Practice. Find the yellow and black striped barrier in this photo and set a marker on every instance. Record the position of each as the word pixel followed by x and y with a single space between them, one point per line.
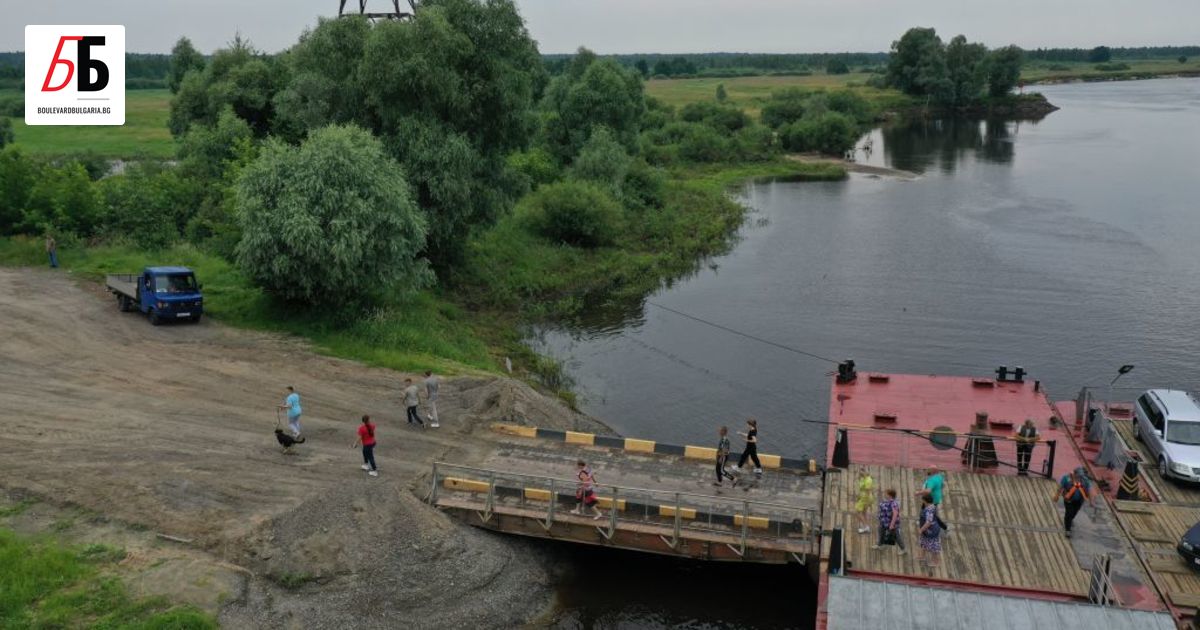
pixel 634 445
pixel 622 505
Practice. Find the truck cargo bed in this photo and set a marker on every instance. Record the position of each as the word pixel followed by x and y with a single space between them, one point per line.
pixel 123 284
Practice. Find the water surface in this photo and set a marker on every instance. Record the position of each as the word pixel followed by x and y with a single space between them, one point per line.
pixel 1067 246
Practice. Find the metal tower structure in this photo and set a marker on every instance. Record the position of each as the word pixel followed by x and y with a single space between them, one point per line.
pixel 394 14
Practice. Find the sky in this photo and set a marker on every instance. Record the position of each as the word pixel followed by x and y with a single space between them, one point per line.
pixel 670 26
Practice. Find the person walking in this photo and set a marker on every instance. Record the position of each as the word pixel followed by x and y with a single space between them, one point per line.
pixel 1074 488
pixel 1026 438
pixel 52 250
pixel 585 490
pixel 889 522
pixel 431 396
pixel 723 448
pixel 934 486
pixel 931 530
pixel 366 439
pixel 865 497
pixel 291 402
pixel 411 399
pixel 751 450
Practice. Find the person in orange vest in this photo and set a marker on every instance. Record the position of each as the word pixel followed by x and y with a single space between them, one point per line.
pixel 1074 489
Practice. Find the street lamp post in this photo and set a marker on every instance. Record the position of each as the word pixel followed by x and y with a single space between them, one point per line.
pixel 1124 369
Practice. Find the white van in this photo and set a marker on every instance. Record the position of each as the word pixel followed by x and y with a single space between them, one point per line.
pixel 1168 421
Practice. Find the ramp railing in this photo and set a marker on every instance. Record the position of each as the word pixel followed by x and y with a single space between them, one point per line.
pixel 673 516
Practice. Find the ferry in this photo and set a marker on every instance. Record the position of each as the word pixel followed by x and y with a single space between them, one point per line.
pixel 1006 560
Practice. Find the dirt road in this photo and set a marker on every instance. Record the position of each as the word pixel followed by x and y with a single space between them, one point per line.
pixel 170 428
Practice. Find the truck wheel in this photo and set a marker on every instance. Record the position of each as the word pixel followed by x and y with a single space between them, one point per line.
pixel 155 320
pixel 124 303
pixel 195 319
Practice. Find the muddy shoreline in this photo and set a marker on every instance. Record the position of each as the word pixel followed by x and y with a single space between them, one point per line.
pixel 141 430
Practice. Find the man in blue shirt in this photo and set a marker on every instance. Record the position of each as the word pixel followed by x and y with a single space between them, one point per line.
pixel 292 404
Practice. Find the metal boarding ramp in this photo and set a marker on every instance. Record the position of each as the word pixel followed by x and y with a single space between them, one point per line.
pixel 700 526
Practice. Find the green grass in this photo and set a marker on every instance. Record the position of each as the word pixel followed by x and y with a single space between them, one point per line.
pixel 44 584
pixel 751 93
pixel 17 508
pixel 144 133
pixel 423 332
pixel 1049 72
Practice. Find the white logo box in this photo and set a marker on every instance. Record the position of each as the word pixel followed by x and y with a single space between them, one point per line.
pixel 53 94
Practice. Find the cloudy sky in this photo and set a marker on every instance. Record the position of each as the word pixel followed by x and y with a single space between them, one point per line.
pixel 610 26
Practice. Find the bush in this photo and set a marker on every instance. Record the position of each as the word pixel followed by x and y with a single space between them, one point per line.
pixel 62 199
pixel 1112 67
pixel 702 143
pixel 831 133
pixel 534 167
pixel 837 66
pixel 602 160
pixel 331 222
pixel 575 212
pixel 851 104
pixel 786 106
pixel 645 186
pixel 18 174
pixel 720 117
pixel 12 105
pixel 755 143
pixel 148 205
pixel 6 132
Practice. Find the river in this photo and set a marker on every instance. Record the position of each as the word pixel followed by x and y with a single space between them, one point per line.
pixel 1067 246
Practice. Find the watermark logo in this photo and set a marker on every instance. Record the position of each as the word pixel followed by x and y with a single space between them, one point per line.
pixel 74 75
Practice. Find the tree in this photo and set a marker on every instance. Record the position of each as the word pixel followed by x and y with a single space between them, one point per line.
pixel 1182 59
pixel 148 204
pixel 239 77
pixel 604 94
pixel 204 151
pixel 643 68
pixel 6 132
pixel 1003 70
pixel 965 69
pixel 331 222
pixel 837 66
pixel 1100 54
pixel 184 58
pixel 721 94
pixel 917 65
pixel 450 95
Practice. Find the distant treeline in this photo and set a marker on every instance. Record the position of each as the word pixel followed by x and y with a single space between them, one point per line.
pixel 1098 53
pixel 142 70
pixel 729 64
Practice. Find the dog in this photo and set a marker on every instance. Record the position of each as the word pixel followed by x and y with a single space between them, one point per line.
pixel 287 441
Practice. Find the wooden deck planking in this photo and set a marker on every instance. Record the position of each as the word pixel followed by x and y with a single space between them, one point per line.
pixel 1004 531
pixel 1156 528
pixel 1170 491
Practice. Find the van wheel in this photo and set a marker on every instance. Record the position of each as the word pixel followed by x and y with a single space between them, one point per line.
pixel 155 320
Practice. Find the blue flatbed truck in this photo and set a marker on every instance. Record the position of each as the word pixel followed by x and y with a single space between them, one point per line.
pixel 162 293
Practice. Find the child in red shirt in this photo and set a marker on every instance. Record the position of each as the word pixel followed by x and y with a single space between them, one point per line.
pixel 366 439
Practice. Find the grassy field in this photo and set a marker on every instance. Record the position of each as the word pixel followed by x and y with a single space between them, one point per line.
pixel 751 93
pixel 144 134
pixel 44 584
pixel 1044 72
